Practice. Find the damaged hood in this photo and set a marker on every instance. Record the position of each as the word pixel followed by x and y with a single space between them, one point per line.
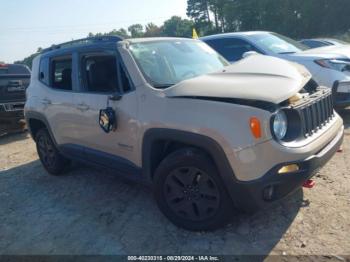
pixel 256 77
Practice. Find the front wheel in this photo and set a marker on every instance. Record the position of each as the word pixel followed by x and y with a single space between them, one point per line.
pixel 49 156
pixel 190 193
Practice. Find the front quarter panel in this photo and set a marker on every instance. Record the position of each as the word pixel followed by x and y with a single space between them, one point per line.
pixel 226 123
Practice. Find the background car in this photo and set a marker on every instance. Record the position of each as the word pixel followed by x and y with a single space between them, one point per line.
pixel 14 79
pixel 330 66
pixel 321 42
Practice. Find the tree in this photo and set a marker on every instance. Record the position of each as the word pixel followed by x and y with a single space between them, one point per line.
pixel 295 18
pixel 136 30
pixel 199 11
pixel 152 30
pixel 120 32
pixel 178 27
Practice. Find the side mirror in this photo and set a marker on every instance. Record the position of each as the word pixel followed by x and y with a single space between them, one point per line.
pixel 107 119
pixel 249 53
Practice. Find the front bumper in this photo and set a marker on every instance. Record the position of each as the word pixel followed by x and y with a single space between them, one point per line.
pixel 273 186
pixel 341 93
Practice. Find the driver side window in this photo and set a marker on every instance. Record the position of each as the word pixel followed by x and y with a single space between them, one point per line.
pixel 100 73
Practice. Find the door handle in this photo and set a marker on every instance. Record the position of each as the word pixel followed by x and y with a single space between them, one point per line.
pixel 83 107
pixel 46 101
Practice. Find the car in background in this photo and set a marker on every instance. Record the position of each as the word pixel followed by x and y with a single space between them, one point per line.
pixel 330 66
pixel 321 42
pixel 14 79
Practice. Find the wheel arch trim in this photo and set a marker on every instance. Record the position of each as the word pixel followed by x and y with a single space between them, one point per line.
pixel 29 115
pixel 203 142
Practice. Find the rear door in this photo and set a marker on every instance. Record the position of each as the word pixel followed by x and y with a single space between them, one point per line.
pixel 56 98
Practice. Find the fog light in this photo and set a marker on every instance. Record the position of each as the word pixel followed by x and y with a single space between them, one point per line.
pixel 288 169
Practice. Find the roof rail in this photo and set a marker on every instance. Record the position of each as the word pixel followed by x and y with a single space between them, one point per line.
pixel 84 41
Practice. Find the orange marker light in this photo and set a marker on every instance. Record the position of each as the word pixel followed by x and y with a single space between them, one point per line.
pixel 255 127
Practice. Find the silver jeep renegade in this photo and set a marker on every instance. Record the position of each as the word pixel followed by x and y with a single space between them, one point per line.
pixel 210 137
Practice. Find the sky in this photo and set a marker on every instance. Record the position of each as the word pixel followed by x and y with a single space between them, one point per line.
pixel 26 25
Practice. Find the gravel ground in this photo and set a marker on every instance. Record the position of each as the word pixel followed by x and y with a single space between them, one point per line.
pixel 90 211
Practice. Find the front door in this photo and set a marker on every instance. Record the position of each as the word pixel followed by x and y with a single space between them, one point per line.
pixel 101 76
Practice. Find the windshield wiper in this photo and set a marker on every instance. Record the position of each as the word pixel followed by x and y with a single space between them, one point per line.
pixel 162 86
pixel 286 53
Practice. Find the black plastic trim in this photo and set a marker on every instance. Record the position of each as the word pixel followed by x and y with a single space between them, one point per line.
pixel 285 184
pixel 205 143
pixel 100 159
pixel 246 195
pixel 41 117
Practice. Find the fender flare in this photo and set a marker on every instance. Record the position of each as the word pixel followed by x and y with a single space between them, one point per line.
pixel 203 142
pixel 41 117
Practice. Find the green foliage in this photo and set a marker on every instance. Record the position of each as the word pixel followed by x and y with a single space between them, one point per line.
pixel 344 37
pixel 295 18
pixel 152 30
pixel 199 10
pixel 136 30
pixel 177 27
pixel 120 32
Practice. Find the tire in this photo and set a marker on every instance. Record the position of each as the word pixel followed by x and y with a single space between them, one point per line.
pixel 49 156
pixel 190 193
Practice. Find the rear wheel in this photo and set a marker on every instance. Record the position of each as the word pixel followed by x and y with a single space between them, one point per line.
pixel 49 156
pixel 190 193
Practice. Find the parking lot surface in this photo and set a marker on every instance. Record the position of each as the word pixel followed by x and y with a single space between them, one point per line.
pixel 91 211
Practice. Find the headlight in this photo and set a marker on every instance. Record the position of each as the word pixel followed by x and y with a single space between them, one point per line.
pixel 280 125
pixel 335 64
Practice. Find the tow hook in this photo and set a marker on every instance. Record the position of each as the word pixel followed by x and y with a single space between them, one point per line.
pixel 340 150
pixel 309 183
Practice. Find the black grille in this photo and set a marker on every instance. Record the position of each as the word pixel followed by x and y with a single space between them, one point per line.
pixel 316 114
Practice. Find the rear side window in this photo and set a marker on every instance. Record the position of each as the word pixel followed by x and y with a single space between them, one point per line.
pixel 230 48
pixel 61 73
pixel 14 69
pixel 18 70
pixel 44 71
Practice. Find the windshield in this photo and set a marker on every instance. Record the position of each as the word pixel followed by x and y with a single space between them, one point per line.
pixel 165 63
pixel 278 44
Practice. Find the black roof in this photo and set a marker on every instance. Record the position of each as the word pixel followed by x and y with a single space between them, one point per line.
pixel 90 41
